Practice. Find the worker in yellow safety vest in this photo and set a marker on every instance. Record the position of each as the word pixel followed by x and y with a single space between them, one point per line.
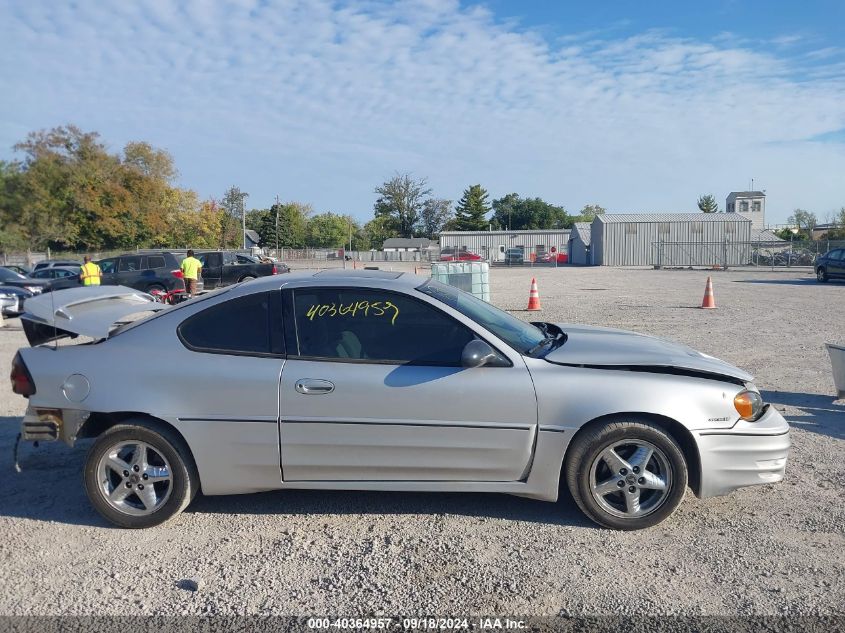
pixel 90 273
pixel 191 271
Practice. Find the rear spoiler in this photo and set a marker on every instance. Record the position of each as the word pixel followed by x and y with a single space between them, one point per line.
pixel 88 311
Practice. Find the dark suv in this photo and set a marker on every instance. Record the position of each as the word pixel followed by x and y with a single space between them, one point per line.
pixel 831 265
pixel 147 272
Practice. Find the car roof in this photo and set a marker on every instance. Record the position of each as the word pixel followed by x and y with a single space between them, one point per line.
pixel 330 277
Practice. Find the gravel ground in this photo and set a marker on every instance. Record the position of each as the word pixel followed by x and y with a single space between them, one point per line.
pixel 766 550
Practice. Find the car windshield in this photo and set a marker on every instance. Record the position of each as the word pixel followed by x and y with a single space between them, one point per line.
pixel 520 335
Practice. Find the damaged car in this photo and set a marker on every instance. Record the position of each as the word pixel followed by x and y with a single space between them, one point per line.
pixel 376 380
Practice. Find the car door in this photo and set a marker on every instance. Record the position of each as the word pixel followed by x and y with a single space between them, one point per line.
pixel 836 263
pixel 373 390
pixel 212 269
pixel 108 270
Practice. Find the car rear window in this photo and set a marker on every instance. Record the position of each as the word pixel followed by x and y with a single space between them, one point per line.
pixel 238 326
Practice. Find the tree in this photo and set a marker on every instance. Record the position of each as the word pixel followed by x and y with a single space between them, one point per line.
pixel 234 212
pixel 401 200
pixel 708 204
pixel 327 230
pixel 435 213
pixel 471 211
pixel 518 214
pixel 589 213
pixel 805 221
pixel 378 230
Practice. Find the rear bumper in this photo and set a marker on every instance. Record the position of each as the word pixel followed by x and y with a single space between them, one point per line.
pixel 748 454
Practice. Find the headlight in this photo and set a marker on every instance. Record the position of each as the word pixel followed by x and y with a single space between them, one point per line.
pixel 34 289
pixel 748 404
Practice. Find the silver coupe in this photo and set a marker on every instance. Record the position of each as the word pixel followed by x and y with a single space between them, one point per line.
pixel 375 380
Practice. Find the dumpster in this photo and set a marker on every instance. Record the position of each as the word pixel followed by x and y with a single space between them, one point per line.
pixel 837 360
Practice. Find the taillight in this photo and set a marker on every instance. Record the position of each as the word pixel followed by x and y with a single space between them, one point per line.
pixel 275 270
pixel 177 273
pixel 21 380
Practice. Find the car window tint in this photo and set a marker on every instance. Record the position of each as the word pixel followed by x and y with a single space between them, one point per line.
pixel 155 261
pixel 129 264
pixel 238 325
pixel 376 326
pixel 106 265
pixel 837 254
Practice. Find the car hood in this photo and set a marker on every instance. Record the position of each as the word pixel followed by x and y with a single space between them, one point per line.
pixel 90 311
pixel 607 347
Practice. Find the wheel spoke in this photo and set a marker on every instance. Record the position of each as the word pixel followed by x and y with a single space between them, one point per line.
pixel 139 457
pixel 119 494
pixel 632 502
pixel 116 464
pixel 147 497
pixel 641 457
pixel 612 459
pixel 606 487
pixel 156 473
pixel 652 481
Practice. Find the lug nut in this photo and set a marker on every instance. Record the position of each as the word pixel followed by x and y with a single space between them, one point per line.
pixel 125 473
pixel 135 468
pixel 128 485
pixel 641 480
pixel 621 483
pixel 636 469
pixel 140 486
pixel 623 471
pixel 632 489
pixel 145 476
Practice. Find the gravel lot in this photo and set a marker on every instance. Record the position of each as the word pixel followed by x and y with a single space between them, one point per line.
pixel 776 550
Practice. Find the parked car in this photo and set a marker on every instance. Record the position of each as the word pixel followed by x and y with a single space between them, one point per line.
pixel 544 258
pixel 58 277
pixel 149 271
pixel 16 280
pixel 376 380
pixel 12 298
pixel 49 263
pixel 514 256
pixel 831 265
pixel 22 270
pixel 221 268
pixel 450 254
pixel 281 268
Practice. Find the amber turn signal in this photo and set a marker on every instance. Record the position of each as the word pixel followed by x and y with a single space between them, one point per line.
pixel 748 404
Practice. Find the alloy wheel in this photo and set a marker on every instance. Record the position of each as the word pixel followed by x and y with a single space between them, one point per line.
pixel 134 478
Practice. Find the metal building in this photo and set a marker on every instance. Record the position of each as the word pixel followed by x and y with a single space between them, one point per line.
pixel 671 239
pixel 493 244
pixel 579 244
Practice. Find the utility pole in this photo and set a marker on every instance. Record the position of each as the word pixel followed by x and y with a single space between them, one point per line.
pixel 277 226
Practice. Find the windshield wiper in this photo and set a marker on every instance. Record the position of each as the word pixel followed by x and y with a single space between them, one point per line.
pixel 540 345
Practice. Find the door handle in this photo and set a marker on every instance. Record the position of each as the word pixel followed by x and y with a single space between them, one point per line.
pixel 314 386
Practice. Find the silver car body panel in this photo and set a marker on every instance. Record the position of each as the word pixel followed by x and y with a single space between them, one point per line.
pixel 388 427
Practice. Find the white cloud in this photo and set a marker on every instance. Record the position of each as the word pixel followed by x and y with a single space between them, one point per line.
pixel 321 101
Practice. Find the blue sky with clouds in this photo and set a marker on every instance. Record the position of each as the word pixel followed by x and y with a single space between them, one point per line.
pixel 637 106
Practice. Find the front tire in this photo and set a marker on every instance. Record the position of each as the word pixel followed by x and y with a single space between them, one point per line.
pixel 626 474
pixel 247 278
pixel 140 474
pixel 821 275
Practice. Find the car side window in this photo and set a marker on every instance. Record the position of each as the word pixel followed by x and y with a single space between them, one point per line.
pixel 837 254
pixel 368 325
pixel 106 265
pixel 129 264
pixel 237 326
pixel 155 261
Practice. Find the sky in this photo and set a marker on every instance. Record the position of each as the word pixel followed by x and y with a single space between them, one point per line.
pixel 636 106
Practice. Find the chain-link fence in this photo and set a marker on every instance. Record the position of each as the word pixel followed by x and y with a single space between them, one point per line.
pixel 727 254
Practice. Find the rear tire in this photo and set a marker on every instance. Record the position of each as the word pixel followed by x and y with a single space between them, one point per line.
pixel 626 474
pixel 821 275
pixel 140 474
pixel 158 287
pixel 247 278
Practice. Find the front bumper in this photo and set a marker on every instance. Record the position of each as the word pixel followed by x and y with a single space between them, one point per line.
pixel 748 454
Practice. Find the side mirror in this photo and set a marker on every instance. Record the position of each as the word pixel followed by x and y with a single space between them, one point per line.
pixel 477 353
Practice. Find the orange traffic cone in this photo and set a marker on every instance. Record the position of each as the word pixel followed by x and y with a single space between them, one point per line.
pixel 534 296
pixel 709 301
